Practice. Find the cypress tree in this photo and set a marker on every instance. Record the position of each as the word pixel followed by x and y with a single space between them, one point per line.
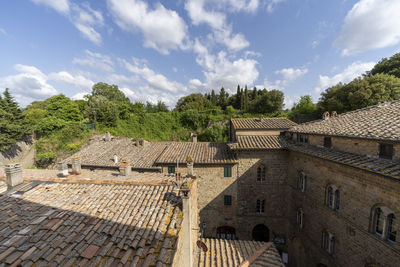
pixel 246 99
pixel 241 99
pixel 238 98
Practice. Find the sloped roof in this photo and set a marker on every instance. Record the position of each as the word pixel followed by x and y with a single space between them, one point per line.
pixel 262 124
pixel 201 152
pixel 65 224
pixel 101 153
pixel 232 253
pixel 380 122
pixel 249 142
pixel 376 165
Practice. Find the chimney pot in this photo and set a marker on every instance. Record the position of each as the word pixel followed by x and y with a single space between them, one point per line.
pixel 107 137
pixel 76 166
pixel 115 158
pixel 14 174
pixel 125 168
pixel 334 114
pixel 193 137
pixel 62 169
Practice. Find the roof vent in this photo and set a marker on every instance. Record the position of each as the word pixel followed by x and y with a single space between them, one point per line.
pixel 325 116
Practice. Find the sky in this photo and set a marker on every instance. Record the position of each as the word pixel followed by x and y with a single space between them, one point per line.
pixel 163 50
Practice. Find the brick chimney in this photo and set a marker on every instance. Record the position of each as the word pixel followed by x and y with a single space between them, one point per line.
pixel 107 137
pixel 76 166
pixel 193 137
pixel 14 174
pixel 62 169
pixel 326 115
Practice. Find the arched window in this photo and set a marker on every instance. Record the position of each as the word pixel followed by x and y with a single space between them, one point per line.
pixel 261 174
pixel 337 199
pixel 378 221
pixel 301 182
pixel 330 197
pixel 328 242
pixel 384 224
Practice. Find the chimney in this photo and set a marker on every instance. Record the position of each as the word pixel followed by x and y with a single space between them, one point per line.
pixel 62 169
pixel 333 114
pixel 107 137
pixel 14 174
pixel 189 166
pixel 115 158
pixel 140 142
pixel 325 116
pixel 76 166
pixel 125 168
pixel 261 118
pixel 193 137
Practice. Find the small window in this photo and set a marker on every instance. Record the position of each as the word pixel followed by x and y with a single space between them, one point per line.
pixel 332 199
pixel 378 221
pixel 301 183
pixel 228 200
pixel 386 151
pixel 327 142
pixel 302 138
pixel 171 169
pixel 391 228
pixel 329 242
pixel 300 218
pixel 260 206
pixel 261 174
pixel 227 172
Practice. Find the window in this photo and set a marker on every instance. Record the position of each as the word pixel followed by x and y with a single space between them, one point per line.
pixel 260 206
pixel 261 174
pixel 171 169
pixel 391 232
pixel 329 242
pixel 227 172
pixel 386 151
pixel 385 224
pixel 327 142
pixel 300 218
pixel 332 197
pixel 228 200
pixel 301 183
pixel 226 232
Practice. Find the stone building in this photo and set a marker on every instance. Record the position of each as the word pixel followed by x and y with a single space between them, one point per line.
pixel 326 193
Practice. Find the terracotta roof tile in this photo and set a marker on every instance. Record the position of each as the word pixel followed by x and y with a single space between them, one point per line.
pixel 89 224
pixel 262 124
pixel 380 122
pixel 376 165
pixel 202 153
pixel 232 253
pixel 248 142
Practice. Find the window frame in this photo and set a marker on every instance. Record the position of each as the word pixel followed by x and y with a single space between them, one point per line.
pixel 227 200
pixel 227 171
pixel 171 168
pixel 383 152
pixel 261 174
pixel 328 142
pixel 302 182
pixel 260 206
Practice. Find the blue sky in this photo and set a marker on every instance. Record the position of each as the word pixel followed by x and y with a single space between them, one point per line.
pixel 162 50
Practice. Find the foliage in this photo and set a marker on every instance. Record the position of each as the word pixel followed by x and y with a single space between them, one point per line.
pixel 111 92
pixel 45 159
pixel 194 101
pixel 388 66
pixel 100 109
pixel 215 133
pixel 159 107
pixel 360 93
pixel 12 124
pixel 193 119
pixel 269 102
pixel 304 110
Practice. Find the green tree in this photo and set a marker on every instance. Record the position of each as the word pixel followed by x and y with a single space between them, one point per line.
pixel 304 110
pixel 213 98
pixel 193 101
pixel 12 124
pixel 111 92
pixel 246 99
pixel 269 102
pixel 238 98
pixel 100 109
pixel 388 66
pixel 223 98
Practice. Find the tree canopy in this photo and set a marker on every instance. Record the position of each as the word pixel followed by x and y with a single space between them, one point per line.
pixel 388 66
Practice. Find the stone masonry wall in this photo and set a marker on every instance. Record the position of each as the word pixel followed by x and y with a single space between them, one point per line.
pixel 360 192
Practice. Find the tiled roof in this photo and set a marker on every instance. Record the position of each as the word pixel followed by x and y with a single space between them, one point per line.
pixel 376 165
pixel 101 153
pixel 375 122
pixel 71 224
pixel 232 253
pixel 258 142
pixel 3 186
pixel 201 152
pixel 262 124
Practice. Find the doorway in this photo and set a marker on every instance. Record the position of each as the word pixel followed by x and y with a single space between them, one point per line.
pixel 260 233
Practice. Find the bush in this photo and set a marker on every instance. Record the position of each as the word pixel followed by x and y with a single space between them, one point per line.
pixel 45 159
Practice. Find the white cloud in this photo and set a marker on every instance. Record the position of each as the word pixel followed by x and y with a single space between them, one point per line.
pixel 95 61
pixel 155 81
pixel 222 31
pixel 271 5
pixel 29 85
pixel 61 6
pixel 83 17
pixel 349 73
pixel 163 29
pixel 2 31
pixel 291 74
pixel 370 24
pixel 77 81
pixel 79 96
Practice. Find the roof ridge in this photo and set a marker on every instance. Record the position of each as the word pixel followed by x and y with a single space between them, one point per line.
pixel 255 255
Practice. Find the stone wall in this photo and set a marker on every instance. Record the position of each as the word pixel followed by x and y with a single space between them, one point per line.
pixel 22 152
pixel 360 192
